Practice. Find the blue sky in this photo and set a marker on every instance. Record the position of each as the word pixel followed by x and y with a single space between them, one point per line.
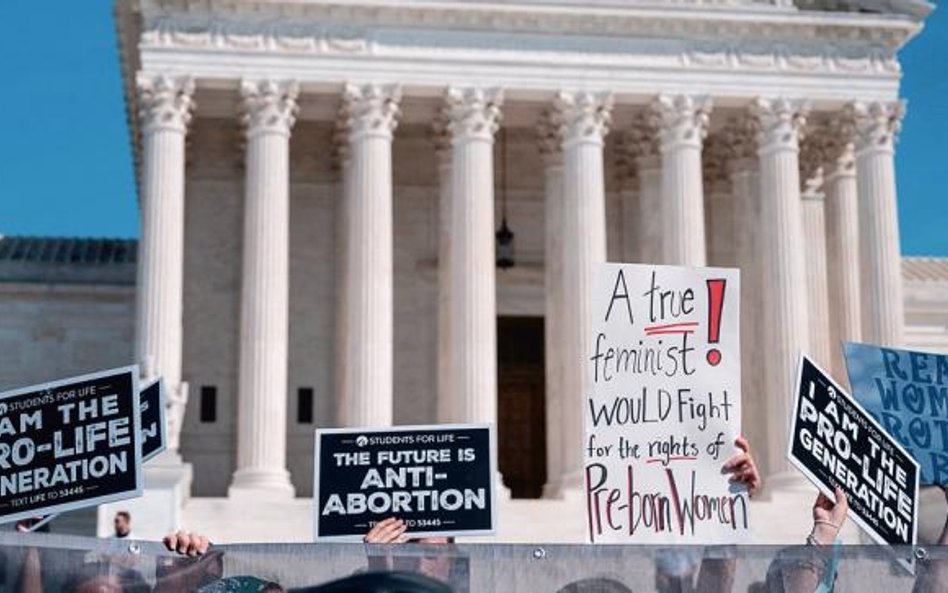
pixel 65 164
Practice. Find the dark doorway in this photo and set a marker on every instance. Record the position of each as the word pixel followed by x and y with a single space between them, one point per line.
pixel 521 400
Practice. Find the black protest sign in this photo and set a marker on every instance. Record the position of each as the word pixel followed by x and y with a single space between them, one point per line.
pixel 70 444
pixel 837 443
pixel 152 405
pixel 438 479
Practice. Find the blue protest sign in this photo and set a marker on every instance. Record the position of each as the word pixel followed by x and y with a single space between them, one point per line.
pixel 907 392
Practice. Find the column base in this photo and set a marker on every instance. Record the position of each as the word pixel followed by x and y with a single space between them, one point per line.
pixel 567 487
pixel 252 482
pixel 553 489
pixel 501 490
pixel 562 487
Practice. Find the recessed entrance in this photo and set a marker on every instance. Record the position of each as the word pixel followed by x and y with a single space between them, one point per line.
pixel 521 400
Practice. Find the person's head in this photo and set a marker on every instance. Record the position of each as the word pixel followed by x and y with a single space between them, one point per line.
pixel 123 524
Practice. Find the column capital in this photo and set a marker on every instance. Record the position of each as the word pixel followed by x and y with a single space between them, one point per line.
pixel 780 123
pixel 681 120
pixel 813 156
pixel 441 136
pixel 626 165
pixel 473 113
pixel 740 135
pixel 549 140
pixel 841 160
pixel 876 124
pixel 371 109
pixel 837 142
pixel 269 106
pixel 340 145
pixel 165 102
pixel 641 138
pixel 716 155
pixel 583 117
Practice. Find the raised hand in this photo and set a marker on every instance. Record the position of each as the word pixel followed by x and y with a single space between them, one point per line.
pixel 828 517
pixel 387 531
pixel 183 542
pixel 743 468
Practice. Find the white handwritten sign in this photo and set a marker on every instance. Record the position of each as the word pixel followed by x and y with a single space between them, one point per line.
pixel 663 406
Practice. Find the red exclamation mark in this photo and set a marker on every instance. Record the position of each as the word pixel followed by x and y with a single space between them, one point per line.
pixel 715 306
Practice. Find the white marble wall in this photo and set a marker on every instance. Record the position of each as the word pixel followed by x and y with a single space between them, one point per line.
pixel 48 332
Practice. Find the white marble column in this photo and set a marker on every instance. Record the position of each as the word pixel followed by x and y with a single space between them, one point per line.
pixel 165 111
pixel 370 113
pixel 784 280
pixel 264 331
pixel 472 324
pixel 883 316
pixel 682 121
pixel 743 166
pixel 548 136
pixel 719 208
pixel 814 233
pixel 642 143
pixel 442 142
pixel 842 247
pixel 584 122
pixel 627 180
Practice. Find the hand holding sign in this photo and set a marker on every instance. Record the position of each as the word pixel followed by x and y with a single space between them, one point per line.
pixel 829 514
pixel 387 531
pixel 743 468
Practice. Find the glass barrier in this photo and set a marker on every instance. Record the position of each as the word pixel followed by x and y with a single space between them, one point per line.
pixel 31 563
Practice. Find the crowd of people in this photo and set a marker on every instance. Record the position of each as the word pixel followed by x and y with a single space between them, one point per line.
pixel 811 567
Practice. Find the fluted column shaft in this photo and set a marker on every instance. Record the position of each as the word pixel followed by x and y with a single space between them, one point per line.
pixel 367 370
pixel 682 121
pixel 264 330
pixel 165 113
pixel 443 153
pixel 584 122
pixel 745 187
pixel 472 327
pixel 883 316
pixel 551 151
pixel 784 280
pixel 641 142
pixel 814 232
pixel 629 195
pixel 650 208
pixel 842 249
pixel 719 215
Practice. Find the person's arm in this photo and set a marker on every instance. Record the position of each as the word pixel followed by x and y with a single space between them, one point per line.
pixel 31 573
pixel 802 569
pixel 716 575
pixel 386 531
pixel 201 567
